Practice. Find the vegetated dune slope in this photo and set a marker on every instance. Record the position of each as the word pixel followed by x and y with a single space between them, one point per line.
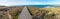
pixel 10 12
pixel 44 13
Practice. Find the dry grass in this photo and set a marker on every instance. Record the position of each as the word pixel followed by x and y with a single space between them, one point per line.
pixel 45 12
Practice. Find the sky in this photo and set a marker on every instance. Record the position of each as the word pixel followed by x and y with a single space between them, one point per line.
pixel 28 2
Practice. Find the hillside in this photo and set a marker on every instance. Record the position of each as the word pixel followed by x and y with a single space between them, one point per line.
pixel 10 12
pixel 44 13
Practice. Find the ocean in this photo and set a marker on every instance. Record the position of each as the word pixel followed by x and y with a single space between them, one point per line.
pixel 42 6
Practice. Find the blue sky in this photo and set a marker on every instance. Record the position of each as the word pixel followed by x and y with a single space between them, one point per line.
pixel 28 2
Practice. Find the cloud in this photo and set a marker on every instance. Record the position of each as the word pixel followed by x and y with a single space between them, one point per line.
pixel 14 2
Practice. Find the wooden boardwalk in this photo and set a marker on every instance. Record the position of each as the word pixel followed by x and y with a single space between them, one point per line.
pixel 25 14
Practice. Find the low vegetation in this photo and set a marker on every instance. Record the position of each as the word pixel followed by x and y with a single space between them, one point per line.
pixel 44 13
